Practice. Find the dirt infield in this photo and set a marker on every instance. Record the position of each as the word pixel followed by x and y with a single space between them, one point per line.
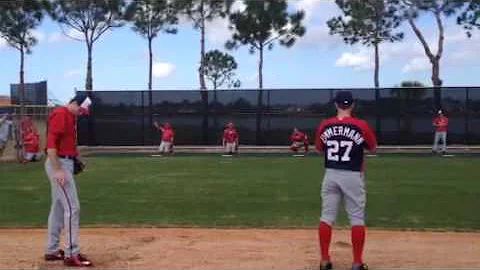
pixel 156 248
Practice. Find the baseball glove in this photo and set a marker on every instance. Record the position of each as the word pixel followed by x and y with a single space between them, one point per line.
pixel 78 166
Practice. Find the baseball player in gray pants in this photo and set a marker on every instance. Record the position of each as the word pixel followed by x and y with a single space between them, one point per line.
pixel 65 209
pixel 343 140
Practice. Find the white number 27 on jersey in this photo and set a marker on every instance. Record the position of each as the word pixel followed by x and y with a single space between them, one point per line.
pixel 334 147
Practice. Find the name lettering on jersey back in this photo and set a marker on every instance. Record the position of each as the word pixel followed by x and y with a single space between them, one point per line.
pixel 348 132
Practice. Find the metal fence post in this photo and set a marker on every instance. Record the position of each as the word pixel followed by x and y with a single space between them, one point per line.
pixel 143 118
pixel 377 115
pixel 204 96
pixel 467 115
pixel 150 115
pixel 258 140
pixel 90 121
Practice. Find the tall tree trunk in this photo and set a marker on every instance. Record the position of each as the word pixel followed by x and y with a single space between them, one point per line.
pixel 89 79
pixel 201 74
pixel 150 93
pixel 437 82
pixel 259 139
pixel 21 89
pixel 215 120
pixel 260 68
pixel 377 66
pixel 150 63
pixel 21 97
pixel 434 59
pixel 376 80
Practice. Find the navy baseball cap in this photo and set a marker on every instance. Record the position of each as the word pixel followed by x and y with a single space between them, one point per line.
pixel 79 98
pixel 344 99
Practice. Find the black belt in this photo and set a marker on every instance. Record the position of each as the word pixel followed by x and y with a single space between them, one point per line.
pixel 67 157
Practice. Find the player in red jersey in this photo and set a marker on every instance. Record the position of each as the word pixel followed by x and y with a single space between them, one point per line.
pixel 343 139
pixel 230 139
pixel 62 155
pixel 31 143
pixel 168 137
pixel 441 127
pixel 299 140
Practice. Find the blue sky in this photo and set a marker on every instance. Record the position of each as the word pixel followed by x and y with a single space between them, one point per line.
pixel 318 60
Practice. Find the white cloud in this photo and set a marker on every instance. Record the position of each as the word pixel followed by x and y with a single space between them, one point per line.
pixel 56 37
pixel 72 73
pixel 416 65
pixel 61 36
pixel 317 13
pixel 39 35
pixel 459 50
pixel 318 36
pixel 162 69
pixel 184 20
pixel 217 32
pixel 75 34
pixel 361 60
pixel 238 5
pixel 317 9
pixel 3 43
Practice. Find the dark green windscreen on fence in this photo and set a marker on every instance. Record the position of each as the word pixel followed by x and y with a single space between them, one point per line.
pixel 399 116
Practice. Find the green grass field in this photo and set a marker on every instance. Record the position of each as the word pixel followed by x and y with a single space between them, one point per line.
pixel 247 191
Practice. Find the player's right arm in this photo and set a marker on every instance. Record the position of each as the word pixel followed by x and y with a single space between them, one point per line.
pixel 319 145
pixel 56 129
pixel 370 138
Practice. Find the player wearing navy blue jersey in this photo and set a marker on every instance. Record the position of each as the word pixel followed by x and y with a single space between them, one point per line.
pixel 343 140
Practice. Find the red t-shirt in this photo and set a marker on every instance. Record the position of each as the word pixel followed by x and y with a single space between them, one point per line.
pixel 62 132
pixel 31 141
pixel 441 123
pixel 230 135
pixel 298 137
pixel 167 134
pixel 344 141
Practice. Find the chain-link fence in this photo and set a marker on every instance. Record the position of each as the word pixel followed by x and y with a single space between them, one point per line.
pixel 400 116
pixel 14 122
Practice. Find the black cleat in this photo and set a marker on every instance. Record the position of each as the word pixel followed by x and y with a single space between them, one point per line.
pixel 326 265
pixel 359 267
pixel 56 256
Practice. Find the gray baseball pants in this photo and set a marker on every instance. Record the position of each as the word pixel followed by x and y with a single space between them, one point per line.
pixel 65 210
pixel 346 185
pixel 440 135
